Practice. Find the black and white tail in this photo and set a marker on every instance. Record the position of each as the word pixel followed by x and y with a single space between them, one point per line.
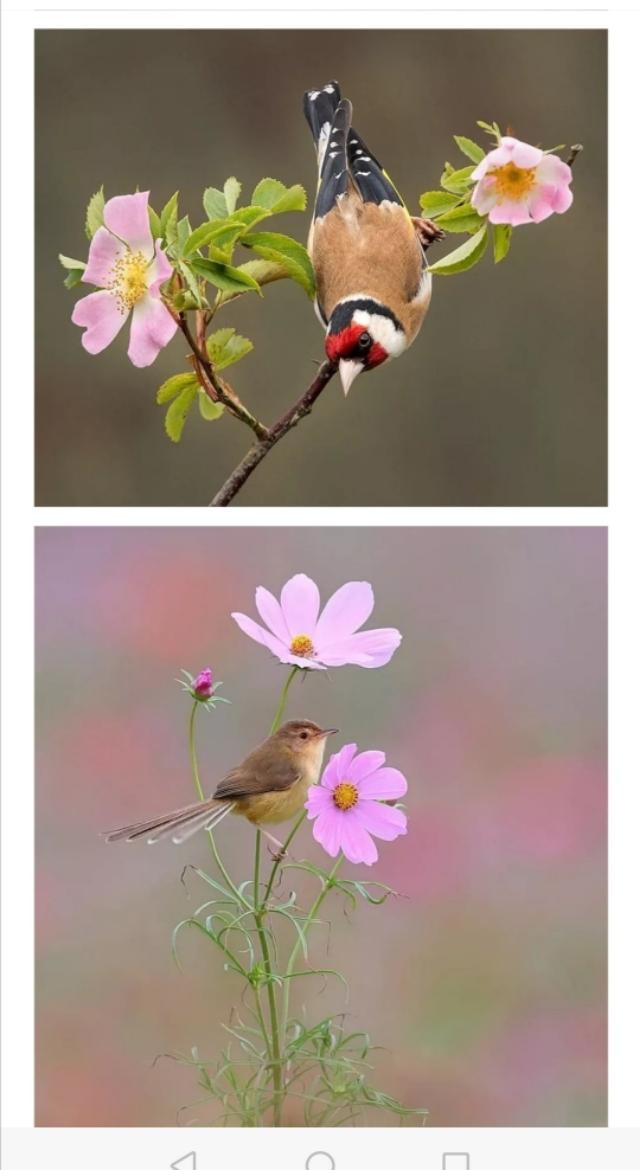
pixel 370 178
pixel 319 107
pixel 178 825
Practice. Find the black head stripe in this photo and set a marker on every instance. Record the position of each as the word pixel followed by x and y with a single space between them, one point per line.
pixel 343 313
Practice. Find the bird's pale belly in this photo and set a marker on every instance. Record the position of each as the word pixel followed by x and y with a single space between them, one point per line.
pixel 270 808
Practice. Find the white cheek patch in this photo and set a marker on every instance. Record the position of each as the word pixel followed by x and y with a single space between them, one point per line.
pixel 383 330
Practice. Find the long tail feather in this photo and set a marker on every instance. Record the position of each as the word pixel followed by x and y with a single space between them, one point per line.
pixel 370 178
pixel 334 175
pixel 191 818
pixel 319 107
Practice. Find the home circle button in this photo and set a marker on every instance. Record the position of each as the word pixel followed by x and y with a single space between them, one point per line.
pixel 320 1160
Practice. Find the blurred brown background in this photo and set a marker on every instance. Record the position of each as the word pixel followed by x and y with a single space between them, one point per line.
pixel 501 401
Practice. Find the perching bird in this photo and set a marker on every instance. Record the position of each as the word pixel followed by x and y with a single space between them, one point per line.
pixel 373 286
pixel 270 786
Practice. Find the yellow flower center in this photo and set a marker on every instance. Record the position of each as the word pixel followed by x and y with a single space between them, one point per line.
pixel 129 280
pixel 302 646
pixel 345 795
pixel 512 182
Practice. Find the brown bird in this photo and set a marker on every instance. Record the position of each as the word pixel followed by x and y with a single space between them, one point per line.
pixel 373 285
pixel 268 787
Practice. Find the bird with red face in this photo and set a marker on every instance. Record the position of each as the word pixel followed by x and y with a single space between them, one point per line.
pixel 373 284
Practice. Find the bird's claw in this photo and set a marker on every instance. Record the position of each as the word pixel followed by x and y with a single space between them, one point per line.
pixel 427 231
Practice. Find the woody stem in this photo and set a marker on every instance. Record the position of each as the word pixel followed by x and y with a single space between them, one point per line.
pixel 273 435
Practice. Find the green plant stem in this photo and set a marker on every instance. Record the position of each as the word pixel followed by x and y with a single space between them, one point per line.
pixel 301 937
pixel 277 719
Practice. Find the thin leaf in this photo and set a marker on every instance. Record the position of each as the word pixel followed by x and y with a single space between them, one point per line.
pixel 210 411
pixel 464 257
pixel 470 148
pixel 461 219
pixel 176 415
pixel 224 276
pixel 287 252
pixel 232 189
pixel 168 390
pixel 501 241
pixel 434 203
pixel 94 217
pixel 215 203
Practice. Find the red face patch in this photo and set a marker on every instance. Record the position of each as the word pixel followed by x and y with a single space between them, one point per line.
pixel 344 346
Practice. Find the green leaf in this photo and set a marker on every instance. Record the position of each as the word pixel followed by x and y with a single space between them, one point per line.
pixel 154 224
pixel 169 216
pixel 215 203
pixel 275 197
pixel 183 231
pixel 250 215
pixel 192 286
pixel 95 217
pixel 232 189
pixel 175 385
pixel 224 276
pixel 469 147
pixel 464 257
pixel 286 252
pixel 434 203
pixel 222 233
pixel 208 409
pixel 176 415
pixel 262 271
pixel 501 241
pixel 67 262
pixel 73 277
pixel 461 219
pixel 457 181
pixel 226 347
pixel 493 129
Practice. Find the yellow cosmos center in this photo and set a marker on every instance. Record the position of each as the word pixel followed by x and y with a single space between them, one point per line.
pixel 129 280
pixel 345 795
pixel 512 182
pixel 302 646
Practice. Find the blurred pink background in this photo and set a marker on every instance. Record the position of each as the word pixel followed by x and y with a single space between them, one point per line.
pixel 485 985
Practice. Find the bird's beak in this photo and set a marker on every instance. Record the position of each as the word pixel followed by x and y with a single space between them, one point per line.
pixel 328 731
pixel 348 373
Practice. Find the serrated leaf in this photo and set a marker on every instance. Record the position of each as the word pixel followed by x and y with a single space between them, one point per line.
pixel 250 215
pixel 226 347
pixel 169 215
pixel 464 257
pixel 221 232
pixel 183 231
pixel 457 181
pixel 67 262
pixel 224 276
pixel 176 415
pixel 208 409
pixel 215 203
pixel 434 203
pixel 461 219
pixel 262 271
pixel 275 197
pixel 95 214
pixel 175 385
pixel 232 189
pixel 501 241
pixel 154 224
pixel 288 253
pixel 469 147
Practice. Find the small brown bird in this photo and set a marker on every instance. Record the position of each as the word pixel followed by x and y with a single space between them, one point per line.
pixel 373 285
pixel 270 786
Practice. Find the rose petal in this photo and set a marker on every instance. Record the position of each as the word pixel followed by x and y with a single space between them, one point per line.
pixel 540 203
pixel 365 764
pixel 562 199
pixel 300 601
pixel 338 767
pixel 553 170
pixel 384 784
pixel 269 609
pixel 484 197
pixel 344 613
pixel 101 318
pixel 368 648
pixel 127 216
pixel 104 250
pixel 511 212
pixel 521 153
pixel 356 843
pixel 159 270
pixel 152 327
pixel 384 822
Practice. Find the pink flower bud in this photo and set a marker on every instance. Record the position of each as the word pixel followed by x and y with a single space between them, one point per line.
pixel 203 684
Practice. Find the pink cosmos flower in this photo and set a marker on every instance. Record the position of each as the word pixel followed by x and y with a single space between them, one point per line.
pixel 298 634
pixel 203 684
pixel 346 804
pixel 128 271
pixel 517 183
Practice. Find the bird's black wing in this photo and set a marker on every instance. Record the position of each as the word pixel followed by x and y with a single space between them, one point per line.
pixel 334 171
pixel 369 176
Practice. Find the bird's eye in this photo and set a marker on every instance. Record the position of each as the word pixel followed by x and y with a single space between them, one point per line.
pixel 304 735
pixel 364 341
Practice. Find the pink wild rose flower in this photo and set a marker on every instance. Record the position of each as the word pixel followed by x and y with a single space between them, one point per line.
pixel 128 269
pixel 299 635
pixel 517 183
pixel 346 806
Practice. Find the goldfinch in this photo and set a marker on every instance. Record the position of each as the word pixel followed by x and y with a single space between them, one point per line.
pixel 373 285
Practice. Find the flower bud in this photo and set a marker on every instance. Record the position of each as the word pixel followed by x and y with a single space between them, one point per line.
pixel 203 684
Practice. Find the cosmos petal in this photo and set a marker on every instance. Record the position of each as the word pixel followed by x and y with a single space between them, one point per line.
pixel 380 819
pixel 368 648
pixel 356 843
pixel 384 784
pixel 300 601
pixel 338 767
pixel 346 610
pixel 365 764
pixel 269 609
